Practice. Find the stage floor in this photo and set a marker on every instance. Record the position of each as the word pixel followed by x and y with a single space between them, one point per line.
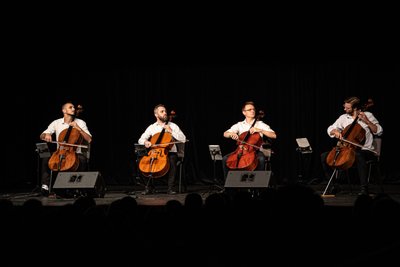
pixel 345 197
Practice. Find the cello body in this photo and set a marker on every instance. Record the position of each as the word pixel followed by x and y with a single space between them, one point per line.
pixel 65 157
pixel 343 155
pixel 156 163
pixel 245 155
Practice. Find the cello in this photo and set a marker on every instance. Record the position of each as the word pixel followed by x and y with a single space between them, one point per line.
pixel 156 163
pixel 343 155
pixel 65 157
pixel 245 155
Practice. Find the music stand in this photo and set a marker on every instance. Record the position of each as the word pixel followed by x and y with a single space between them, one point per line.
pixel 304 160
pixel 215 152
pixel 304 146
pixel 43 151
pixel 140 151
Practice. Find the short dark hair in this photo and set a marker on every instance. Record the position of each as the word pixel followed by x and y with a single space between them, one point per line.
pixel 354 101
pixel 158 106
pixel 248 103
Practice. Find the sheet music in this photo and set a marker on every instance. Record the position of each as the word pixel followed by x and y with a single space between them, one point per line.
pixel 215 151
pixel 303 144
pixel 140 150
pixel 43 150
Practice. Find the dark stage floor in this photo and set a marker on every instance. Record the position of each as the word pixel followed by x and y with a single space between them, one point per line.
pixel 345 197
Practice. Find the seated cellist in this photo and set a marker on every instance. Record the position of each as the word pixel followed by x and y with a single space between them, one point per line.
pixel 368 122
pixel 163 126
pixel 57 127
pixel 251 125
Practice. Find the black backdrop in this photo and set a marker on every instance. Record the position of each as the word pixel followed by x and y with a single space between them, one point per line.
pixel 300 97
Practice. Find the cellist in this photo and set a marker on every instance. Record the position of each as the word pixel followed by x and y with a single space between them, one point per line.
pixel 163 124
pixel 353 110
pixel 259 127
pixel 56 127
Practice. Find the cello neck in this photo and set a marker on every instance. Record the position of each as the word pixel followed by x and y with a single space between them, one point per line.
pixel 72 116
pixel 170 117
pixel 351 126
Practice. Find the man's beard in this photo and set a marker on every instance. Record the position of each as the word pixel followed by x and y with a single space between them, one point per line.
pixel 164 119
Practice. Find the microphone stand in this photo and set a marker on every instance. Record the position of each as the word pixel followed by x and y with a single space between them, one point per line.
pixel 43 153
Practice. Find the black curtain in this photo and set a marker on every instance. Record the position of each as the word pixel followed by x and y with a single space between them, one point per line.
pixel 300 98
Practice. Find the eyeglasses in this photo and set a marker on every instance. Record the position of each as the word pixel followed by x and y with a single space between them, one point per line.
pixel 348 107
pixel 250 109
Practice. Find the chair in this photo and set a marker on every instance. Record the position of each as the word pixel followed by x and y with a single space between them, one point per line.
pixel 267 153
pixel 86 153
pixel 374 162
pixel 181 156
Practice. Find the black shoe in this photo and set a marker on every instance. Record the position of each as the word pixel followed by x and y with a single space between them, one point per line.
pixel 44 192
pixel 171 192
pixel 148 191
pixel 336 189
pixel 364 191
pixel 315 182
pixel 132 194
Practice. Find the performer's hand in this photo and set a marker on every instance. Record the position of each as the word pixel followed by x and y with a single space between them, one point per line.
pixel 147 144
pixel 363 117
pixel 254 130
pixel 338 135
pixel 46 137
pixel 168 128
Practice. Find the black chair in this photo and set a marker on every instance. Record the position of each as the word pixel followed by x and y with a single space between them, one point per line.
pixel 181 170
pixel 86 153
pixel 375 163
pixel 268 154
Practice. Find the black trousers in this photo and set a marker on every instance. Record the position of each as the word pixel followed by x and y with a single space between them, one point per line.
pixel 361 158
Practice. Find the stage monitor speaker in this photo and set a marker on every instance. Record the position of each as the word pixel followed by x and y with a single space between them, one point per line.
pixel 248 179
pixel 75 184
